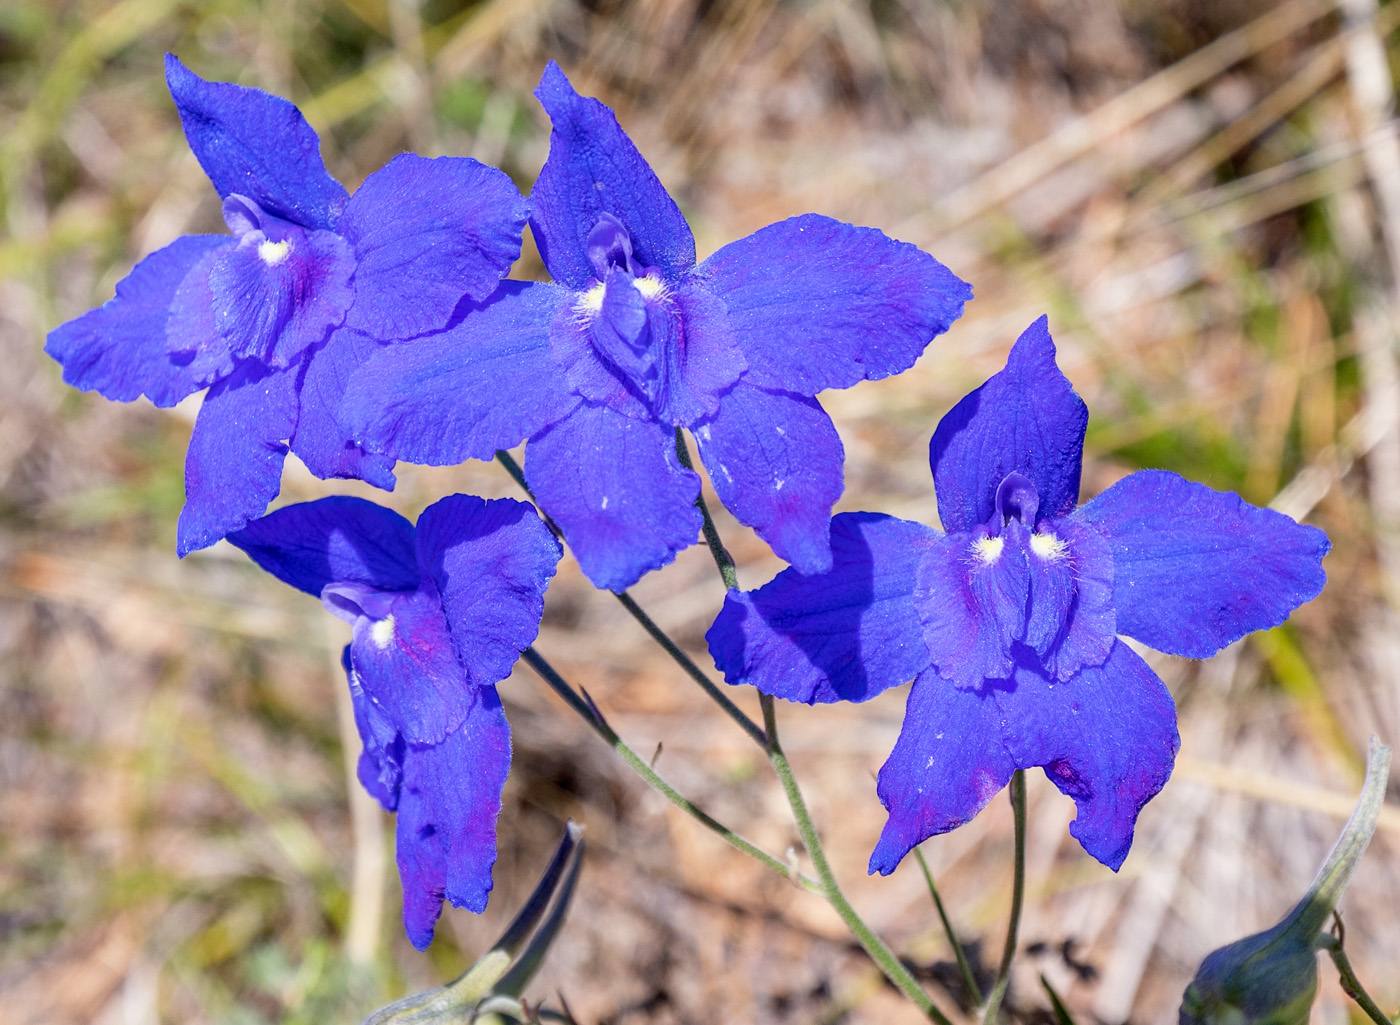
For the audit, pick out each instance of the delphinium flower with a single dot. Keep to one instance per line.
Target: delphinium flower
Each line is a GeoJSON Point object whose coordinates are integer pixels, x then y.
{"type": "Point", "coordinates": [634, 340]}
{"type": "Point", "coordinates": [273, 319]}
{"type": "Point", "coordinates": [440, 614]}
{"type": "Point", "coordinates": [1007, 623]}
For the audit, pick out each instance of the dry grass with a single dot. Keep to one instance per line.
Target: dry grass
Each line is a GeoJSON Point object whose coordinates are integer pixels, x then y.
{"type": "Point", "coordinates": [1198, 193]}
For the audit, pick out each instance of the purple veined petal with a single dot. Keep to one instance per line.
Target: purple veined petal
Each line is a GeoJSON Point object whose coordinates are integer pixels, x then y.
{"type": "Point", "coordinates": [426, 233]}
{"type": "Point", "coordinates": [948, 762]}
{"type": "Point", "coordinates": [273, 300]}
{"type": "Point", "coordinates": [1195, 569]}
{"type": "Point", "coordinates": [380, 766]}
{"type": "Point", "coordinates": [588, 338]}
{"type": "Point", "coordinates": [708, 358]}
{"type": "Point", "coordinates": [119, 349]}
{"type": "Point", "coordinates": [449, 804]}
{"type": "Point", "coordinates": [1070, 621]}
{"type": "Point", "coordinates": [618, 492]}
{"type": "Point", "coordinates": [1107, 738]}
{"type": "Point", "coordinates": [233, 467]}
{"type": "Point", "coordinates": [191, 332]}
{"type": "Point", "coordinates": [775, 462]}
{"type": "Point", "coordinates": [488, 382]}
{"type": "Point", "coordinates": [323, 440]}
{"type": "Point", "coordinates": [1026, 419]}
{"type": "Point", "coordinates": [339, 539]}
{"type": "Point", "coordinates": [405, 658]}
{"type": "Point", "coordinates": [971, 597]}
{"type": "Point", "coordinates": [491, 562]}
{"type": "Point", "coordinates": [257, 145]}
{"type": "Point", "coordinates": [816, 303]}
{"type": "Point", "coordinates": [593, 169]}
{"type": "Point", "coordinates": [844, 635]}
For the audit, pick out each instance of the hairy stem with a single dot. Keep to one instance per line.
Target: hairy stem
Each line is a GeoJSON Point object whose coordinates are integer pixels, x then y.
{"type": "Point", "coordinates": [1018, 893]}
{"type": "Point", "coordinates": [969, 980]}
{"type": "Point", "coordinates": [1351, 985]}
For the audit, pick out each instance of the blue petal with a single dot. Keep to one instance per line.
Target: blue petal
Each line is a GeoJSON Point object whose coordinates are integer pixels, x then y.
{"type": "Point", "coordinates": [971, 598]}
{"type": "Point", "coordinates": [616, 489]}
{"type": "Point", "coordinates": [273, 304]}
{"type": "Point", "coordinates": [1195, 569]}
{"type": "Point", "coordinates": [593, 168]}
{"type": "Point", "coordinates": [449, 804]}
{"type": "Point", "coordinates": [191, 333]}
{"type": "Point", "coordinates": [844, 635]}
{"type": "Point", "coordinates": [1026, 419]}
{"type": "Point", "coordinates": [234, 464]}
{"type": "Point", "coordinates": [948, 762]}
{"type": "Point", "coordinates": [323, 440]}
{"type": "Point", "coordinates": [380, 767]}
{"type": "Point", "coordinates": [426, 233]}
{"type": "Point", "coordinates": [257, 145]}
{"type": "Point", "coordinates": [816, 303]}
{"type": "Point", "coordinates": [775, 462]}
{"type": "Point", "coordinates": [119, 349]}
{"type": "Point", "coordinates": [1107, 738]}
{"type": "Point", "coordinates": [405, 658]}
{"type": "Point", "coordinates": [336, 539]}
{"type": "Point", "coordinates": [491, 562]}
{"type": "Point", "coordinates": [1069, 620]}
{"type": "Point", "coordinates": [486, 383]}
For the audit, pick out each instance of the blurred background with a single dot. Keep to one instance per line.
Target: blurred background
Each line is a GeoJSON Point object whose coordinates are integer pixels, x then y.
{"type": "Point", "coordinates": [1204, 195]}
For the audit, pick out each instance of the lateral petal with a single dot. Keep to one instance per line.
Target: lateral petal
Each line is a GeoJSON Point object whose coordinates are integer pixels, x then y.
{"type": "Point", "coordinates": [594, 168]}
{"type": "Point", "coordinates": [817, 303]}
{"type": "Point", "coordinates": [1026, 419]}
{"type": "Point", "coordinates": [775, 461]}
{"type": "Point", "coordinates": [844, 635]}
{"type": "Point", "coordinates": [618, 492]}
{"type": "Point", "coordinates": [488, 382]}
{"type": "Point", "coordinates": [119, 349]}
{"type": "Point", "coordinates": [1070, 621]}
{"type": "Point", "coordinates": [1107, 738]}
{"type": "Point", "coordinates": [322, 439]}
{"type": "Point", "coordinates": [1195, 569]}
{"type": "Point", "coordinates": [426, 233]}
{"type": "Point", "coordinates": [233, 467]}
{"type": "Point", "coordinates": [257, 145]}
{"type": "Point", "coordinates": [491, 562]}
{"type": "Point", "coordinates": [948, 762]}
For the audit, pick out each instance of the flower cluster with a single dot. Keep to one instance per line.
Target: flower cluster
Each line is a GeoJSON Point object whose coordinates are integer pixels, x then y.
{"type": "Point", "coordinates": [359, 330]}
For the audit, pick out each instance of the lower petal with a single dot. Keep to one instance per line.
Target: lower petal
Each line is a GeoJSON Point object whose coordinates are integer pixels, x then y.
{"type": "Point", "coordinates": [618, 492]}
{"type": "Point", "coordinates": [948, 762]}
{"type": "Point", "coordinates": [233, 468]}
{"type": "Point", "coordinates": [1107, 738]}
{"type": "Point", "coordinates": [448, 807]}
{"type": "Point", "coordinates": [322, 440]}
{"type": "Point", "coordinates": [775, 462]}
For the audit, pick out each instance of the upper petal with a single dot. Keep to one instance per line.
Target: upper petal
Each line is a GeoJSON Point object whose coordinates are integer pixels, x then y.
{"type": "Point", "coordinates": [426, 233]}
{"type": "Point", "coordinates": [257, 145]}
{"type": "Point", "coordinates": [323, 440]}
{"type": "Point", "coordinates": [1070, 621]}
{"type": "Point", "coordinates": [1026, 419]}
{"type": "Point", "coordinates": [844, 635]}
{"type": "Point", "coordinates": [233, 468]}
{"type": "Point", "coordinates": [312, 544]}
{"type": "Point", "coordinates": [594, 168]}
{"type": "Point", "coordinates": [1196, 569]}
{"type": "Point", "coordinates": [487, 382]}
{"type": "Point", "coordinates": [491, 562]}
{"type": "Point", "coordinates": [948, 762]}
{"type": "Point", "coordinates": [1107, 738]}
{"type": "Point", "coordinates": [119, 349]}
{"type": "Point", "coordinates": [775, 461]}
{"type": "Point", "coordinates": [816, 303]}
{"type": "Point", "coordinates": [618, 492]}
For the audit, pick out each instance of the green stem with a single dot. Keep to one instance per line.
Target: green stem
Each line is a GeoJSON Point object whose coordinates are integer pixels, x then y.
{"type": "Point", "coordinates": [723, 560]}
{"type": "Point", "coordinates": [1351, 985]}
{"type": "Point", "coordinates": [590, 715]}
{"type": "Point", "coordinates": [1018, 893]}
{"type": "Point", "coordinates": [893, 968]}
{"type": "Point", "coordinates": [969, 979]}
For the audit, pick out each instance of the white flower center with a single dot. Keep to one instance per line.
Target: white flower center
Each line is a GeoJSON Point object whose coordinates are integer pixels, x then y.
{"type": "Point", "coordinates": [1048, 546]}
{"type": "Point", "coordinates": [988, 549]}
{"type": "Point", "coordinates": [273, 253]}
{"type": "Point", "coordinates": [382, 632]}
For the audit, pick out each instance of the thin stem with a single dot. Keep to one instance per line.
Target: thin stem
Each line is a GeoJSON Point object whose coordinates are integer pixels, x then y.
{"type": "Point", "coordinates": [1351, 985]}
{"type": "Point", "coordinates": [723, 560]}
{"type": "Point", "coordinates": [888, 963]}
{"type": "Point", "coordinates": [1018, 893]}
{"type": "Point", "coordinates": [969, 979]}
{"type": "Point", "coordinates": [589, 714]}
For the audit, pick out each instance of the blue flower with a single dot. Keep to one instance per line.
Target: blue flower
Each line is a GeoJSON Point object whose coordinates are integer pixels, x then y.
{"type": "Point", "coordinates": [273, 319]}
{"type": "Point", "coordinates": [1007, 623]}
{"type": "Point", "coordinates": [440, 615]}
{"type": "Point", "coordinates": [635, 340]}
